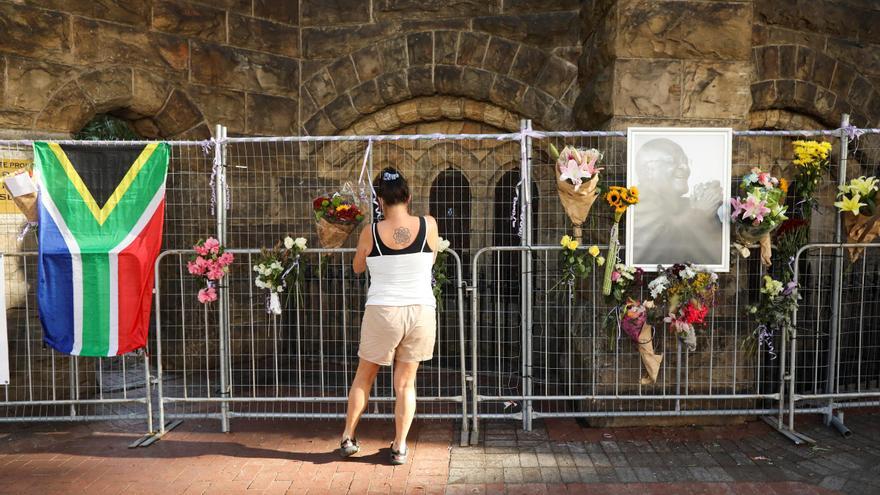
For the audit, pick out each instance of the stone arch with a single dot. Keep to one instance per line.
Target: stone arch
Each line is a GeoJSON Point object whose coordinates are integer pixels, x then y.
{"type": "Point", "coordinates": [806, 81]}
{"type": "Point", "coordinates": [156, 108]}
{"type": "Point", "coordinates": [517, 77]}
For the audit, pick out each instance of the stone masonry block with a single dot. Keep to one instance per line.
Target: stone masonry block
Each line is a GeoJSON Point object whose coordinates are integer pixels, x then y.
{"type": "Point", "coordinates": [189, 19]}
{"type": "Point", "coordinates": [277, 10]}
{"type": "Point", "coordinates": [320, 87]}
{"type": "Point", "coordinates": [343, 73]}
{"type": "Point", "coordinates": [334, 12]}
{"type": "Point", "coordinates": [261, 35]}
{"type": "Point", "coordinates": [271, 115]}
{"type": "Point", "coordinates": [367, 63]}
{"type": "Point", "coordinates": [499, 55]}
{"type": "Point", "coordinates": [104, 43]}
{"type": "Point", "coordinates": [239, 69]}
{"type": "Point", "coordinates": [716, 90]}
{"type": "Point", "coordinates": [472, 49]}
{"type": "Point", "coordinates": [34, 32]}
{"type": "Point", "coordinates": [31, 83]}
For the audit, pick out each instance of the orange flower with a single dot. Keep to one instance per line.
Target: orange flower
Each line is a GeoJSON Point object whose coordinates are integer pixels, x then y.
{"type": "Point", "coordinates": [783, 185]}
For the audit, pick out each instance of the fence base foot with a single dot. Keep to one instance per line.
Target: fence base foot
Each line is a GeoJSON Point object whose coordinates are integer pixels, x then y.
{"type": "Point", "coordinates": [797, 438]}
{"type": "Point", "coordinates": [151, 438]}
{"type": "Point", "coordinates": [464, 439]}
{"type": "Point", "coordinates": [837, 422]}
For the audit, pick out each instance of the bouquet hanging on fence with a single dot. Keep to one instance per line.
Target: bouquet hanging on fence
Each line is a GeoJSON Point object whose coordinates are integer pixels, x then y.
{"type": "Point", "coordinates": [210, 264]}
{"type": "Point", "coordinates": [577, 182]}
{"type": "Point", "coordinates": [634, 323]}
{"type": "Point", "coordinates": [811, 160]}
{"type": "Point", "coordinates": [861, 217]}
{"type": "Point", "coordinates": [689, 294]}
{"type": "Point", "coordinates": [577, 264]}
{"type": "Point", "coordinates": [24, 194]}
{"type": "Point", "coordinates": [336, 215]}
{"type": "Point", "coordinates": [280, 268]}
{"type": "Point", "coordinates": [619, 198]}
{"type": "Point", "coordinates": [439, 277]}
{"type": "Point", "coordinates": [625, 284]}
{"type": "Point", "coordinates": [758, 212]}
{"type": "Point", "coordinates": [773, 314]}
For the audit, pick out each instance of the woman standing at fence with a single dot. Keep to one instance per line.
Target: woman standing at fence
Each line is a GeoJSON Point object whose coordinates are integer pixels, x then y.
{"type": "Point", "coordinates": [399, 324]}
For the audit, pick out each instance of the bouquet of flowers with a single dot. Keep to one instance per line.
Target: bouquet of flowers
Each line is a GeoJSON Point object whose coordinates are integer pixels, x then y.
{"type": "Point", "coordinates": [619, 198]}
{"type": "Point", "coordinates": [859, 199]}
{"type": "Point", "coordinates": [811, 160]}
{"type": "Point", "coordinates": [577, 265]}
{"type": "Point", "coordinates": [210, 264]}
{"type": "Point", "coordinates": [577, 182]}
{"type": "Point", "coordinates": [439, 278]}
{"type": "Point", "coordinates": [773, 313]}
{"type": "Point", "coordinates": [689, 293]}
{"type": "Point", "coordinates": [337, 215]}
{"type": "Point", "coordinates": [625, 281]}
{"type": "Point", "coordinates": [759, 212]}
{"type": "Point", "coordinates": [277, 267]}
{"type": "Point", "coordinates": [634, 323]}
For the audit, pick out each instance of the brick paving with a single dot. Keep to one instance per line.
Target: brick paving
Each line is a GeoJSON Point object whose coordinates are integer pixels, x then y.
{"type": "Point", "coordinates": [559, 456]}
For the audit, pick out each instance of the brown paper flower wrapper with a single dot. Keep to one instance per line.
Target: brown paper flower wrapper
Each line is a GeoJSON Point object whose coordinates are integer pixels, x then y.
{"type": "Point", "coordinates": [763, 240]}
{"type": "Point", "coordinates": [860, 229]}
{"type": "Point", "coordinates": [333, 235]}
{"type": "Point", "coordinates": [27, 202]}
{"type": "Point", "coordinates": [650, 361]}
{"type": "Point", "coordinates": [577, 204]}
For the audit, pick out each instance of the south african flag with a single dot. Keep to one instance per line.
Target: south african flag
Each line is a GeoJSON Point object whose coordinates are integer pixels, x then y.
{"type": "Point", "coordinates": [101, 211]}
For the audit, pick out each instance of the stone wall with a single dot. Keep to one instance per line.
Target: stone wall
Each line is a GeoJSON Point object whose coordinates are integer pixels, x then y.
{"type": "Point", "coordinates": [270, 67]}
{"type": "Point", "coordinates": [743, 63]}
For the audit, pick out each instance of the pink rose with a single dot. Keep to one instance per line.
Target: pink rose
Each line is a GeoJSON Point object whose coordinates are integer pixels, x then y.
{"type": "Point", "coordinates": [615, 276]}
{"type": "Point", "coordinates": [207, 295]}
{"type": "Point", "coordinates": [225, 259]}
{"type": "Point", "coordinates": [212, 245]}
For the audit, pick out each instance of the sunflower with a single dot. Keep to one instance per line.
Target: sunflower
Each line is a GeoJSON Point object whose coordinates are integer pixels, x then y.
{"type": "Point", "coordinates": [613, 197]}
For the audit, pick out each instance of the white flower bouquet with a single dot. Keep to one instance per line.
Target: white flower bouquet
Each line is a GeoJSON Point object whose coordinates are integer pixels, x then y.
{"type": "Point", "coordinates": [279, 269]}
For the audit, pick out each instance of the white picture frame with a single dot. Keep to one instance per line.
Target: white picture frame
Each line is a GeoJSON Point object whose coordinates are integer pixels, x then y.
{"type": "Point", "coordinates": [684, 176]}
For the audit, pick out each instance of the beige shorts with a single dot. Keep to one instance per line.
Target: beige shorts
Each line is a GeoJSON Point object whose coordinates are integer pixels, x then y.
{"type": "Point", "coordinates": [398, 333]}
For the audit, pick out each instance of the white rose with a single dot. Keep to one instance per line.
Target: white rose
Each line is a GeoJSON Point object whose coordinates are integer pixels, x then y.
{"type": "Point", "coordinates": [260, 284]}
{"type": "Point", "coordinates": [288, 242]}
{"type": "Point", "coordinates": [279, 288]}
{"type": "Point", "coordinates": [257, 268]}
{"type": "Point", "coordinates": [300, 242]}
{"type": "Point", "coordinates": [443, 245]}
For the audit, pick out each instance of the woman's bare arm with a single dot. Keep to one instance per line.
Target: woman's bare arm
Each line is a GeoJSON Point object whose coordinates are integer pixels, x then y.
{"type": "Point", "coordinates": [364, 246]}
{"type": "Point", "coordinates": [433, 234]}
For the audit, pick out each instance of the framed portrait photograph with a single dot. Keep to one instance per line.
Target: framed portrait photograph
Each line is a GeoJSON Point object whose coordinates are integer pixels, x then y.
{"type": "Point", "coordinates": [683, 177]}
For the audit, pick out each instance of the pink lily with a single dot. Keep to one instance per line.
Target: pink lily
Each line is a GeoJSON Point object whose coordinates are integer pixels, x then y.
{"type": "Point", "coordinates": [571, 171]}
{"type": "Point", "coordinates": [755, 208]}
{"type": "Point", "coordinates": [738, 207]}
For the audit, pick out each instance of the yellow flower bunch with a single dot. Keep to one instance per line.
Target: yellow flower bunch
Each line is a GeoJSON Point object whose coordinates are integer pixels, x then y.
{"type": "Point", "coordinates": [569, 243]}
{"type": "Point", "coordinates": [620, 197]}
{"type": "Point", "coordinates": [810, 153]}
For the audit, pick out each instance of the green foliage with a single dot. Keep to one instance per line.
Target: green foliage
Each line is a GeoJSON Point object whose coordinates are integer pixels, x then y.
{"type": "Point", "coordinates": [104, 127]}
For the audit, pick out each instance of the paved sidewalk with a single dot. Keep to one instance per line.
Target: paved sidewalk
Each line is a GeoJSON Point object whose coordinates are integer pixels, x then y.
{"type": "Point", "coordinates": [263, 457]}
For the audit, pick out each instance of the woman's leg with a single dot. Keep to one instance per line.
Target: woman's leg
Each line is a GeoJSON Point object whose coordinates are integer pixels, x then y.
{"type": "Point", "coordinates": [358, 395]}
{"type": "Point", "coordinates": [405, 401]}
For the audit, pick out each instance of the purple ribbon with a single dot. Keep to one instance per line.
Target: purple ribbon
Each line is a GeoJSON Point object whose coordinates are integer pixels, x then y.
{"type": "Point", "coordinates": [765, 337]}
{"type": "Point", "coordinates": [852, 132]}
{"type": "Point", "coordinates": [27, 227]}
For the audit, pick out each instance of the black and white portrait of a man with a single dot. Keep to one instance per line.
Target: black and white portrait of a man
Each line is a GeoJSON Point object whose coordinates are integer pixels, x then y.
{"type": "Point", "coordinates": [683, 176]}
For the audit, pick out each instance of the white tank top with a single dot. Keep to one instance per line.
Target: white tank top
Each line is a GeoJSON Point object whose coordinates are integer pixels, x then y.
{"type": "Point", "coordinates": [401, 277]}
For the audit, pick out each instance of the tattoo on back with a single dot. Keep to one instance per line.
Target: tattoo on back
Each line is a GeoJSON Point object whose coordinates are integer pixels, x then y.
{"type": "Point", "coordinates": [402, 235]}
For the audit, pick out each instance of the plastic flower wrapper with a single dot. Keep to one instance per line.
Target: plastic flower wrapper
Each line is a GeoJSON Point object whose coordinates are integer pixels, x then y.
{"type": "Point", "coordinates": [758, 211]}
{"type": "Point", "coordinates": [861, 217]}
{"type": "Point", "coordinates": [634, 323]}
{"type": "Point", "coordinates": [618, 198]}
{"type": "Point", "coordinates": [625, 284]}
{"type": "Point", "coordinates": [577, 182]}
{"type": "Point", "coordinates": [278, 269]}
{"type": "Point", "coordinates": [337, 215]}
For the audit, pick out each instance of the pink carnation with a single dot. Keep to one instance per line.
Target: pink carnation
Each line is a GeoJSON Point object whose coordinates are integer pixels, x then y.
{"type": "Point", "coordinates": [207, 295]}
{"type": "Point", "coordinates": [201, 250]}
{"type": "Point", "coordinates": [194, 268]}
{"type": "Point", "coordinates": [212, 245]}
{"type": "Point", "coordinates": [215, 272]}
{"type": "Point", "coordinates": [225, 259]}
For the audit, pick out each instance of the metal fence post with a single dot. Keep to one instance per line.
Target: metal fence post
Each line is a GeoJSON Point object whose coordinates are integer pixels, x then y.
{"type": "Point", "coordinates": [837, 281]}
{"type": "Point", "coordinates": [222, 306]}
{"type": "Point", "coordinates": [526, 263]}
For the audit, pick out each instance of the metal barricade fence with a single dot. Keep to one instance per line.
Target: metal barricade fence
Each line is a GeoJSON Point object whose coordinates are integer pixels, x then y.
{"type": "Point", "coordinates": [573, 367]}
{"type": "Point", "coordinates": [295, 365]}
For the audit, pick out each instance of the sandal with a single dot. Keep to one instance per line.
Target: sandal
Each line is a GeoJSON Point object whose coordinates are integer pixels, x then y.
{"type": "Point", "coordinates": [349, 447]}
{"type": "Point", "coordinates": [398, 458]}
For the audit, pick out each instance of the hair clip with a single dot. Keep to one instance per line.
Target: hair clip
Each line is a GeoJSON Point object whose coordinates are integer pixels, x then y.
{"type": "Point", "coordinates": [388, 176]}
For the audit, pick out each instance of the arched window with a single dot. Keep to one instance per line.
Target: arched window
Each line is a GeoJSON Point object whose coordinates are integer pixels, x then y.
{"type": "Point", "coordinates": [505, 232]}
{"type": "Point", "coordinates": [450, 204]}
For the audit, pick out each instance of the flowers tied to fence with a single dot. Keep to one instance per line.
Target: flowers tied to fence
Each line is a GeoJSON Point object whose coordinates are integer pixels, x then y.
{"type": "Point", "coordinates": [280, 268]}
{"type": "Point", "coordinates": [758, 212]}
{"type": "Point", "coordinates": [577, 264]}
{"type": "Point", "coordinates": [634, 322]}
{"type": "Point", "coordinates": [210, 264]}
{"type": "Point", "coordinates": [439, 277]}
{"type": "Point", "coordinates": [861, 217]}
{"type": "Point", "coordinates": [688, 293]}
{"type": "Point", "coordinates": [336, 215]}
{"type": "Point", "coordinates": [773, 314]}
{"type": "Point", "coordinates": [619, 198]}
{"type": "Point", "coordinates": [811, 160]}
{"type": "Point", "coordinates": [577, 182]}
{"type": "Point", "coordinates": [625, 283]}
